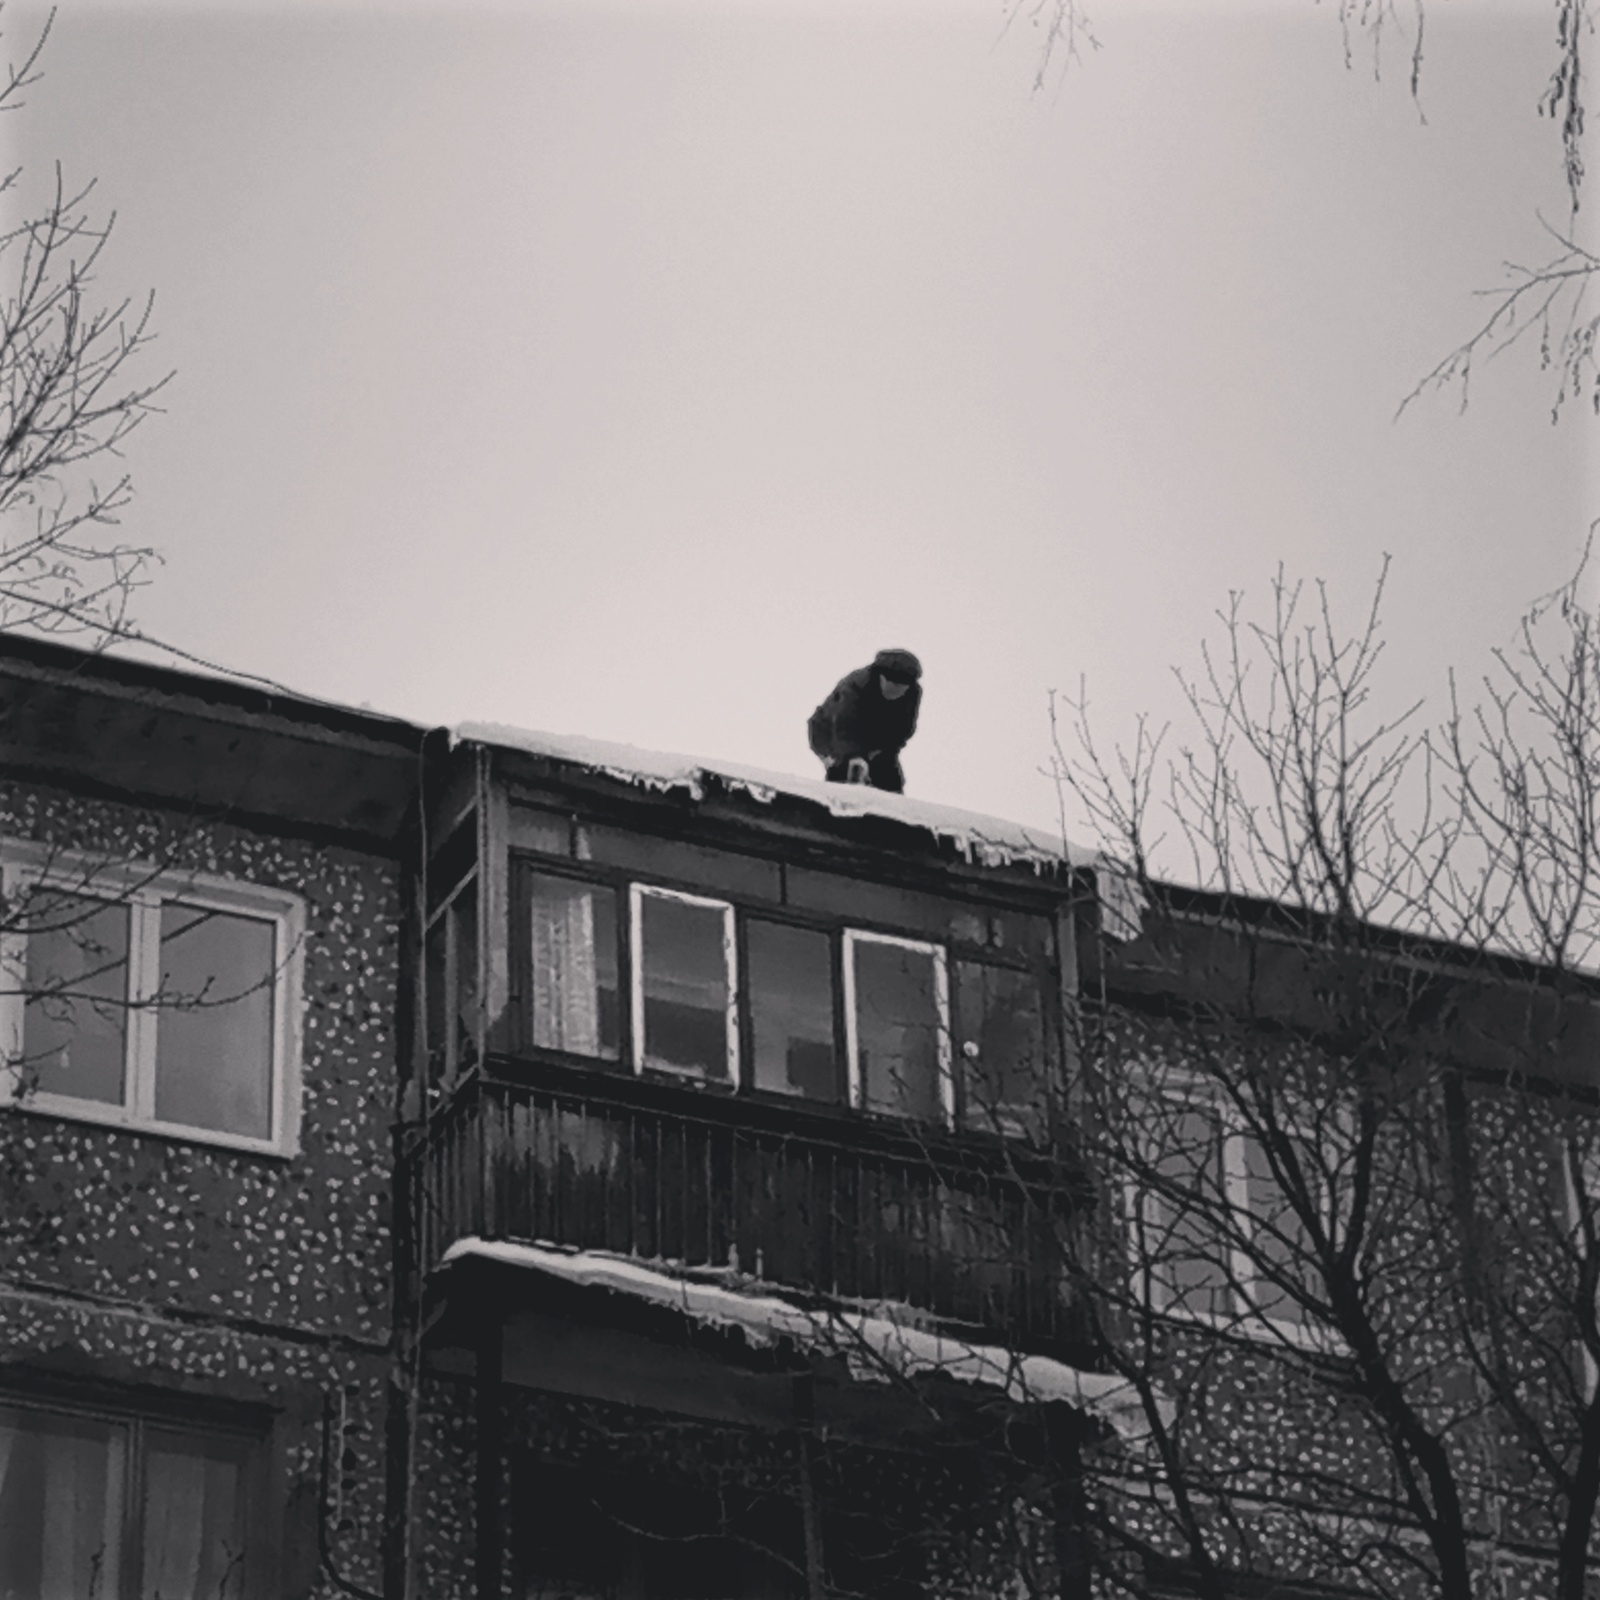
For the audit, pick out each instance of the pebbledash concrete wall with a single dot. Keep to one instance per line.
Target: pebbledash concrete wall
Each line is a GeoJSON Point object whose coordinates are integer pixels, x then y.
{"type": "Point", "coordinates": [131, 1259]}
{"type": "Point", "coordinates": [1280, 1430]}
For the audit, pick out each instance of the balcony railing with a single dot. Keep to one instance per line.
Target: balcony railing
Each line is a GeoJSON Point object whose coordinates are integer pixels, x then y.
{"type": "Point", "coordinates": [844, 1207]}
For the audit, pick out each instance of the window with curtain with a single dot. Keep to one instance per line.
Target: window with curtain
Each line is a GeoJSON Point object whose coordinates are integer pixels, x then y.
{"type": "Point", "coordinates": [119, 1508]}
{"type": "Point", "coordinates": [571, 953]}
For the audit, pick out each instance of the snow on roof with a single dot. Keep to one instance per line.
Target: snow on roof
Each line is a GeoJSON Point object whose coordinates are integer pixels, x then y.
{"type": "Point", "coordinates": [985, 841]}
{"type": "Point", "coordinates": [989, 841]}
{"type": "Point", "coordinates": [876, 1347]}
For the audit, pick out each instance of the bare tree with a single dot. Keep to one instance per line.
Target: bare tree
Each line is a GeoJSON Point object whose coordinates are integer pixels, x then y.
{"type": "Point", "coordinates": [70, 395]}
{"type": "Point", "coordinates": [1348, 1159]}
{"type": "Point", "coordinates": [1545, 303]}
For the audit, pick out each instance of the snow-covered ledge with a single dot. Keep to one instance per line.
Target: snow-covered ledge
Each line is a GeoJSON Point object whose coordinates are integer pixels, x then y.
{"type": "Point", "coordinates": [985, 841]}
{"type": "Point", "coordinates": [874, 1345]}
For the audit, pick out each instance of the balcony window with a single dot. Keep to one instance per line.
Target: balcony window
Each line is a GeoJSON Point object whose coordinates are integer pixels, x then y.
{"type": "Point", "coordinates": [454, 1012]}
{"type": "Point", "coordinates": [661, 978]}
{"type": "Point", "coordinates": [169, 1004]}
{"type": "Point", "coordinates": [119, 1508]}
{"type": "Point", "coordinates": [684, 1018]}
{"type": "Point", "coordinates": [791, 1005]}
{"type": "Point", "coordinates": [897, 1010]}
{"type": "Point", "coordinates": [574, 999]}
{"type": "Point", "coordinates": [1002, 1058]}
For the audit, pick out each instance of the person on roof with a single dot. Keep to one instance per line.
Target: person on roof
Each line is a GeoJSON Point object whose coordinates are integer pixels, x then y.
{"type": "Point", "coordinates": [859, 731]}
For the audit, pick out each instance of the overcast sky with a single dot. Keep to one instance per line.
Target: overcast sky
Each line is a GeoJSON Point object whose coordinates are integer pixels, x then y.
{"type": "Point", "coordinates": [637, 370]}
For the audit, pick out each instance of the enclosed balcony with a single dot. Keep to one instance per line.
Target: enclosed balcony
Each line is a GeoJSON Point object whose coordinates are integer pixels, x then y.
{"type": "Point", "coordinates": [689, 1037]}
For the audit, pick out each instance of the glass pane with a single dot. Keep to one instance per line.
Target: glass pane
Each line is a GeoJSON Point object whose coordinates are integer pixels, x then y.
{"type": "Point", "coordinates": [898, 1029]}
{"type": "Point", "coordinates": [791, 1004]}
{"type": "Point", "coordinates": [193, 1518]}
{"type": "Point", "coordinates": [61, 1506]}
{"type": "Point", "coordinates": [530, 828]}
{"type": "Point", "coordinates": [214, 1020]}
{"type": "Point", "coordinates": [572, 979]}
{"type": "Point", "coordinates": [1187, 1261]}
{"type": "Point", "coordinates": [1002, 1049]}
{"type": "Point", "coordinates": [75, 1017]}
{"type": "Point", "coordinates": [684, 960]}
{"type": "Point", "coordinates": [1280, 1242]}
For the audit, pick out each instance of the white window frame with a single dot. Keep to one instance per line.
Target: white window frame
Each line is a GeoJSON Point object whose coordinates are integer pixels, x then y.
{"type": "Point", "coordinates": [1184, 1092]}
{"type": "Point", "coordinates": [636, 898]}
{"type": "Point", "coordinates": [143, 890]}
{"type": "Point", "coordinates": [854, 937]}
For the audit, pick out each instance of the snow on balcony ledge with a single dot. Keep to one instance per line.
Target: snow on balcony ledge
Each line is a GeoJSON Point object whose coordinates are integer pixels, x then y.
{"type": "Point", "coordinates": [874, 1346]}
{"type": "Point", "coordinates": [984, 841]}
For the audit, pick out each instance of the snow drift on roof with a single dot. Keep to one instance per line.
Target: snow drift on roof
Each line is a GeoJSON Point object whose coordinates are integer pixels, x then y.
{"type": "Point", "coordinates": [874, 1346]}
{"type": "Point", "coordinates": [985, 841]}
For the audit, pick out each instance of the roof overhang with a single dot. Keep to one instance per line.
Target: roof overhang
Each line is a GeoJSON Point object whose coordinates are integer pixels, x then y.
{"type": "Point", "coordinates": [102, 724]}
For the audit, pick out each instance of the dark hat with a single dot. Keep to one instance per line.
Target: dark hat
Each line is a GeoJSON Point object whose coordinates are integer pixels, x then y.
{"type": "Point", "coordinates": [900, 664]}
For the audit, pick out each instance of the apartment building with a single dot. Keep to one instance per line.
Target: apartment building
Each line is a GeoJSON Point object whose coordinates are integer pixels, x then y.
{"type": "Point", "coordinates": [478, 1164]}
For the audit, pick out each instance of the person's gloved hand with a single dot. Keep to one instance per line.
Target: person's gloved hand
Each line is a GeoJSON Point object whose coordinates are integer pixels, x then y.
{"type": "Point", "coordinates": [857, 771]}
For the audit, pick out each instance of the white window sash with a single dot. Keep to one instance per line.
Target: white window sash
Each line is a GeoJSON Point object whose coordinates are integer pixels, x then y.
{"type": "Point", "coordinates": [637, 894]}
{"type": "Point", "coordinates": [855, 937]}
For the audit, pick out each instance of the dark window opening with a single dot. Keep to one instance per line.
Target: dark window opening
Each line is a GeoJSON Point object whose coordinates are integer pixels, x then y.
{"type": "Point", "coordinates": [792, 1010]}
{"type": "Point", "coordinates": [1001, 1050]}
{"type": "Point", "coordinates": [455, 857]}
{"type": "Point", "coordinates": [581, 1535]}
{"type": "Point", "coordinates": [901, 1027]}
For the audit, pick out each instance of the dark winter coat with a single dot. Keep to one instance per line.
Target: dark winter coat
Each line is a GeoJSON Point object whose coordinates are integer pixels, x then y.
{"type": "Point", "coordinates": [855, 719]}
